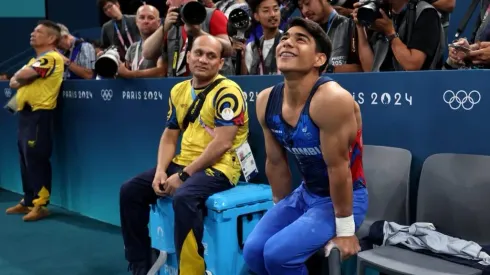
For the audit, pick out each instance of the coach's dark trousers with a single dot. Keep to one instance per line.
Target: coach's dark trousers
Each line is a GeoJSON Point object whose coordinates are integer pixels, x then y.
{"type": "Point", "coordinates": [189, 199]}
{"type": "Point", "coordinates": [35, 142]}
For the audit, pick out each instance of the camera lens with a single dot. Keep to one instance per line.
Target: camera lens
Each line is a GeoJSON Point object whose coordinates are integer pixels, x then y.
{"type": "Point", "coordinates": [193, 13]}
{"type": "Point", "coordinates": [368, 13]}
{"type": "Point", "coordinates": [107, 64]}
{"type": "Point", "coordinates": [238, 23]}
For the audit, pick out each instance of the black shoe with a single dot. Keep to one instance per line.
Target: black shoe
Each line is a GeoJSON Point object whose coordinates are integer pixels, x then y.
{"type": "Point", "coordinates": [139, 268]}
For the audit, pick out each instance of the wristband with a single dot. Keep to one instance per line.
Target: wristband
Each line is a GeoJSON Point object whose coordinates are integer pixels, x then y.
{"type": "Point", "coordinates": [345, 227]}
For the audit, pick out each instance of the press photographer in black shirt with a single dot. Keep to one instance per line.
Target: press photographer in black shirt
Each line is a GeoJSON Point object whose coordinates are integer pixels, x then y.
{"type": "Point", "coordinates": [391, 48]}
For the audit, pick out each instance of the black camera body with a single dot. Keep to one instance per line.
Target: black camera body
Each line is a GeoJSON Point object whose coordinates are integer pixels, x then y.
{"type": "Point", "coordinates": [369, 11]}
{"type": "Point", "coordinates": [192, 13]}
{"type": "Point", "coordinates": [239, 23]}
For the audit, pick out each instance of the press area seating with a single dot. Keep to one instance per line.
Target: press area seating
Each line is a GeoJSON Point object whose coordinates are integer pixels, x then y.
{"type": "Point", "coordinates": [453, 195]}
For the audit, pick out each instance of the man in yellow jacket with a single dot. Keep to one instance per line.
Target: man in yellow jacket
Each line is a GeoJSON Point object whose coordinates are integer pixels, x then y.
{"type": "Point", "coordinates": [38, 84]}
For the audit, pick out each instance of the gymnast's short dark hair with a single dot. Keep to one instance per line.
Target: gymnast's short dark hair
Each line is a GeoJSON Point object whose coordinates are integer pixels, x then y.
{"type": "Point", "coordinates": [322, 41]}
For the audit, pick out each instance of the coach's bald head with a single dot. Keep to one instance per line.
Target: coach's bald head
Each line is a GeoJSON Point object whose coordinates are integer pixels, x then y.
{"type": "Point", "coordinates": [205, 58]}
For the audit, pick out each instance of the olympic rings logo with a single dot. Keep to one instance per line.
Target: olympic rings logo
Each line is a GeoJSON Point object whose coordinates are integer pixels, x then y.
{"type": "Point", "coordinates": [461, 99]}
{"type": "Point", "coordinates": [106, 94]}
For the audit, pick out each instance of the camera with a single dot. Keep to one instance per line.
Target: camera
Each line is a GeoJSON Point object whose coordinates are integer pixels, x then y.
{"type": "Point", "coordinates": [239, 23]}
{"type": "Point", "coordinates": [107, 64]}
{"type": "Point", "coordinates": [369, 11]}
{"type": "Point", "coordinates": [192, 13]}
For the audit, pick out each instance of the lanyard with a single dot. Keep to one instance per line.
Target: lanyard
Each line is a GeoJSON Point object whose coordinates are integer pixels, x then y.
{"type": "Point", "coordinates": [73, 53]}
{"type": "Point", "coordinates": [74, 50]}
{"type": "Point", "coordinates": [119, 35]}
{"type": "Point", "coordinates": [330, 20]}
{"type": "Point", "coordinates": [207, 128]}
{"type": "Point", "coordinates": [261, 56]}
{"type": "Point", "coordinates": [180, 56]}
{"type": "Point", "coordinates": [138, 60]}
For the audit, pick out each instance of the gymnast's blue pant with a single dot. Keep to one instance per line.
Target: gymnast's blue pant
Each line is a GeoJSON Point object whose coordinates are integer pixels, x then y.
{"type": "Point", "coordinates": [293, 230]}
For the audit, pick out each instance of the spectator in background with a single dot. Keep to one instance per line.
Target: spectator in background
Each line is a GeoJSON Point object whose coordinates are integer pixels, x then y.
{"type": "Point", "coordinates": [288, 9]}
{"type": "Point", "coordinates": [345, 7]}
{"type": "Point", "coordinates": [121, 31]}
{"type": "Point", "coordinates": [215, 25]}
{"type": "Point", "coordinates": [260, 55]}
{"type": "Point", "coordinates": [390, 48]}
{"type": "Point", "coordinates": [481, 56]}
{"type": "Point", "coordinates": [483, 22]}
{"type": "Point", "coordinates": [445, 8]}
{"type": "Point", "coordinates": [97, 46]}
{"type": "Point", "coordinates": [38, 85]}
{"type": "Point", "coordinates": [473, 55]}
{"type": "Point", "coordinates": [341, 31]}
{"type": "Point", "coordinates": [79, 56]}
{"type": "Point", "coordinates": [4, 76]}
{"type": "Point", "coordinates": [136, 66]}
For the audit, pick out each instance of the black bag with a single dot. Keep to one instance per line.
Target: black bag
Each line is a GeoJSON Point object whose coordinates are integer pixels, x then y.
{"type": "Point", "coordinates": [196, 106]}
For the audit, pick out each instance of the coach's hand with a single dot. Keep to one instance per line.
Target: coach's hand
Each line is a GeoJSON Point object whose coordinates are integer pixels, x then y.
{"type": "Point", "coordinates": [348, 246]}
{"type": "Point", "coordinates": [158, 181]}
{"type": "Point", "coordinates": [172, 183]}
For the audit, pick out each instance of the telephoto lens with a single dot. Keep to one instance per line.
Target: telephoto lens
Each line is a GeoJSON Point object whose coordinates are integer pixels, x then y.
{"type": "Point", "coordinates": [239, 22]}
{"type": "Point", "coordinates": [192, 13]}
{"type": "Point", "coordinates": [107, 64]}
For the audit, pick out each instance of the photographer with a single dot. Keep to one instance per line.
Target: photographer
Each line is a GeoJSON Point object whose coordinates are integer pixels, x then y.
{"type": "Point", "coordinates": [259, 56]}
{"type": "Point", "coordinates": [393, 48]}
{"type": "Point", "coordinates": [121, 31]}
{"type": "Point", "coordinates": [445, 8]}
{"type": "Point", "coordinates": [345, 7]}
{"type": "Point", "coordinates": [215, 24]}
{"type": "Point", "coordinates": [79, 55]}
{"type": "Point", "coordinates": [136, 66]}
{"type": "Point", "coordinates": [341, 31]}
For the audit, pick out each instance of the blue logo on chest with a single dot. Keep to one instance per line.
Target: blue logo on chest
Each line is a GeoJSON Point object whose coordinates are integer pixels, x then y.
{"type": "Point", "coordinates": [302, 140]}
